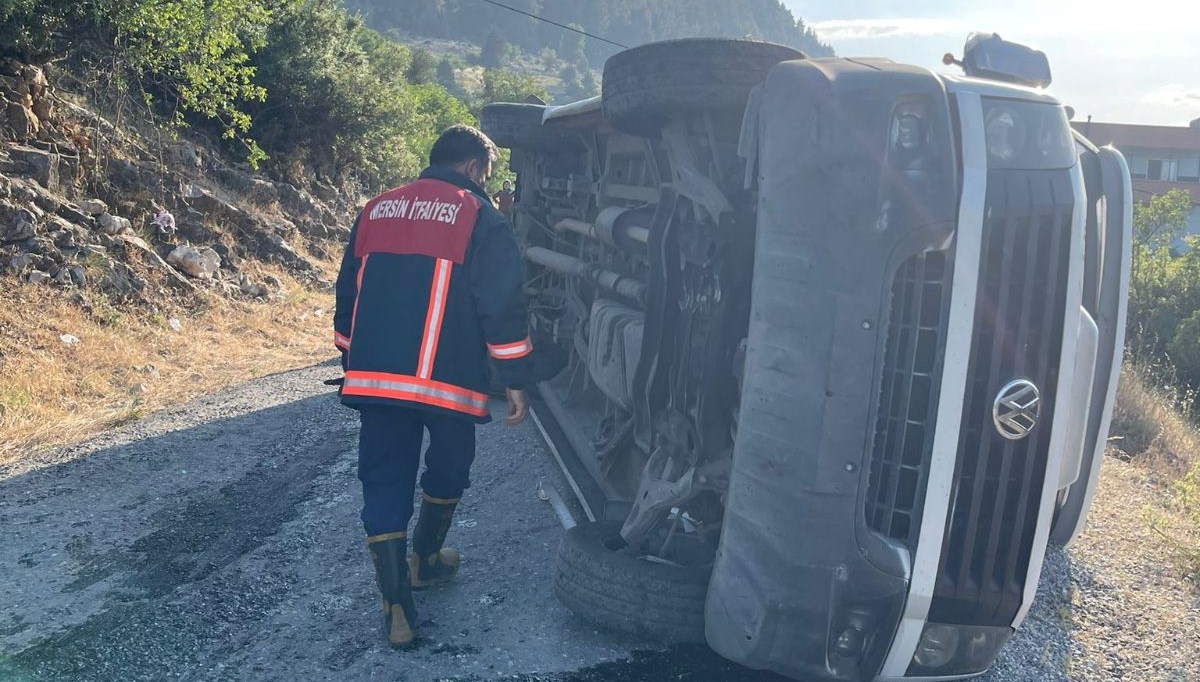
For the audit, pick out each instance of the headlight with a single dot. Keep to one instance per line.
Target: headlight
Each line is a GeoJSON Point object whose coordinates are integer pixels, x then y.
{"type": "Point", "coordinates": [939, 644]}
{"type": "Point", "coordinates": [957, 649]}
{"type": "Point", "coordinates": [1005, 133]}
{"type": "Point", "coordinates": [1027, 135]}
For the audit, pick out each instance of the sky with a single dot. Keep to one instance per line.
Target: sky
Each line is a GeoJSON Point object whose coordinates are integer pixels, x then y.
{"type": "Point", "coordinates": [1126, 62]}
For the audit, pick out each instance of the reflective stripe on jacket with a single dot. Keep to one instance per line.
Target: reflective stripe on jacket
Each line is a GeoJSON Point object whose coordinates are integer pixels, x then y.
{"type": "Point", "coordinates": [429, 289]}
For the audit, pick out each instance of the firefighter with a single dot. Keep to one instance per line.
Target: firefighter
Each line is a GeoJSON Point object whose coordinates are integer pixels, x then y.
{"type": "Point", "coordinates": [429, 290]}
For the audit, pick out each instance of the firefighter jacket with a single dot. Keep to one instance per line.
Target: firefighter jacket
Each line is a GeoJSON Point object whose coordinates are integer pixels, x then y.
{"type": "Point", "coordinates": [429, 289]}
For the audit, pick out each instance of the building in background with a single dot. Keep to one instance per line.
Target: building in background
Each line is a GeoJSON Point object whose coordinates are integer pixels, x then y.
{"type": "Point", "coordinates": [1161, 158]}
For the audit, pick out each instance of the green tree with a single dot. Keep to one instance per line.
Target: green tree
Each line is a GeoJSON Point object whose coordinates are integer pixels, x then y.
{"type": "Point", "coordinates": [422, 67]}
{"type": "Point", "coordinates": [502, 86]}
{"type": "Point", "coordinates": [571, 47]}
{"type": "Point", "coordinates": [1154, 284]}
{"type": "Point", "coordinates": [588, 85]}
{"type": "Point", "coordinates": [1158, 222]}
{"type": "Point", "coordinates": [194, 55]}
{"type": "Point", "coordinates": [1164, 286]}
{"type": "Point", "coordinates": [569, 75]}
{"type": "Point", "coordinates": [495, 50]}
{"type": "Point", "coordinates": [339, 101]}
{"type": "Point", "coordinates": [548, 59]}
{"type": "Point", "coordinates": [446, 76]}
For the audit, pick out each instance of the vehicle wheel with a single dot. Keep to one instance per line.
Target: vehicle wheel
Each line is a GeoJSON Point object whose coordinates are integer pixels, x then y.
{"type": "Point", "coordinates": [622, 592]}
{"type": "Point", "coordinates": [519, 126]}
{"type": "Point", "coordinates": [644, 85]}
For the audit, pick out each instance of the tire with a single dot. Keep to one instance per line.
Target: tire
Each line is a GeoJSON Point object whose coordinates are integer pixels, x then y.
{"type": "Point", "coordinates": [623, 593]}
{"type": "Point", "coordinates": [645, 85]}
{"type": "Point", "coordinates": [519, 126]}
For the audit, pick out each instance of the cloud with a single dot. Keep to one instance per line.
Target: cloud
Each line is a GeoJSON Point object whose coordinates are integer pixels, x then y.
{"type": "Point", "coordinates": [1173, 95]}
{"type": "Point", "coordinates": [866, 29]}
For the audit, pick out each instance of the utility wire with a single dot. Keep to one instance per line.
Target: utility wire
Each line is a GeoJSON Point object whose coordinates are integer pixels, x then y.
{"type": "Point", "coordinates": [555, 23]}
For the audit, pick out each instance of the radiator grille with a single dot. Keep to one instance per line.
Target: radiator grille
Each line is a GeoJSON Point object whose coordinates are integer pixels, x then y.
{"type": "Point", "coordinates": [903, 442]}
{"type": "Point", "coordinates": [1018, 332]}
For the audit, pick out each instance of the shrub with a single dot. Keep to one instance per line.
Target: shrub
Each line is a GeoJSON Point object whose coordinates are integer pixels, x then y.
{"type": "Point", "coordinates": [195, 54]}
{"type": "Point", "coordinates": [339, 100]}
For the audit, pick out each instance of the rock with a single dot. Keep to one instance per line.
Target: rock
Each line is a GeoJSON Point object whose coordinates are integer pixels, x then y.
{"type": "Point", "coordinates": [175, 325]}
{"type": "Point", "coordinates": [189, 156]}
{"type": "Point", "coordinates": [210, 205]}
{"type": "Point", "coordinates": [69, 339]}
{"type": "Point", "coordinates": [116, 278]}
{"type": "Point", "coordinates": [74, 215]}
{"type": "Point", "coordinates": [326, 193]}
{"type": "Point", "coordinates": [42, 246]}
{"type": "Point", "coordinates": [284, 227]}
{"type": "Point", "coordinates": [43, 165]}
{"type": "Point", "coordinates": [125, 175]}
{"type": "Point", "coordinates": [23, 122]}
{"type": "Point", "coordinates": [39, 277]}
{"type": "Point", "coordinates": [273, 282]}
{"type": "Point", "coordinates": [16, 223]}
{"type": "Point", "coordinates": [77, 274]}
{"type": "Point", "coordinates": [43, 109]}
{"type": "Point", "coordinates": [273, 246]}
{"type": "Point", "coordinates": [63, 277]}
{"type": "Point", "coordinates": [262, 192]}
{"type": "Point", "coordinates": [35, 80]}
{"type": "Point", "coordinates": [140, 244]}
{"type": "Point", "coordinates": [229, 259]}
{"type": "Point", "coordinates": [38, 198]}
{"type": "Point", "coordinates": [201, 264]}
{"type": "Point", "coordinates": [92, 207]}
{"type": "Point", "coordinates": [90, 117]}
{"type": "Point", "coordinates": [21, 262]}
{"type": "Point", "coordinates": [251, 289]}
{"type": "Point", "coordinates": [64, 240]}
{"type": "Point", "coordinates": [113, 225]}
{"type": "Point", "coordinates": [296, 200]}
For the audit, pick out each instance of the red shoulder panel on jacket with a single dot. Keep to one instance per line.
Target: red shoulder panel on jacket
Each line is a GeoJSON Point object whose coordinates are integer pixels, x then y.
{"type": "Point", "coordinates": [426, 218]}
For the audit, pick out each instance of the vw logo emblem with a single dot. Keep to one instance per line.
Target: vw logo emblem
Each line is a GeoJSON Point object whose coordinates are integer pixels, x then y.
{"type": "Point", "coordinates": [1016, 409]}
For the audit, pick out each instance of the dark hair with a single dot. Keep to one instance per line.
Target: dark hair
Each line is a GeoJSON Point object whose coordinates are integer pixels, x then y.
{"type": "Point", "coordinates": [459, 144]}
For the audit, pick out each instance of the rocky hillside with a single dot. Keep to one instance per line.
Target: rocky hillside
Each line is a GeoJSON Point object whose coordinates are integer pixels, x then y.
{"type": "Point", "coordinates": [85, 204]}
{"type": "Point", "coordinates": [142, 266]}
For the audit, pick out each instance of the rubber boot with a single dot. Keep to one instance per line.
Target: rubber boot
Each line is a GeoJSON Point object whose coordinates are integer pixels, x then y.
{"type": "Point", "coordinates": [431, 563]}
{"type": "Point", "coordinates": [391, 574]}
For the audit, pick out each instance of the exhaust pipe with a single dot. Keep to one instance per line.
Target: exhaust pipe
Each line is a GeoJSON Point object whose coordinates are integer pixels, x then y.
{"type": "Point", "coordinates": [615, 225]}
{"type": "Point", "coordinates": [569, 265]}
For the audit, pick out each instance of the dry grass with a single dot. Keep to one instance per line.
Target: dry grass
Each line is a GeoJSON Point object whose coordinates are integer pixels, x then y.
{"type": "Point", "coordinates": [1153, 428]}
{"type": "Point", "coordinates": [129, 362]}
{"type": "Point", "coordinates": [1151, 421]}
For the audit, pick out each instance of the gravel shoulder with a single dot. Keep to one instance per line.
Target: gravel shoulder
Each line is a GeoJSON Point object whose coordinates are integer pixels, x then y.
{"type": "Point", "coordinates": [220, 541]}
{"type": "Point", "coordinates": [1132, 614]}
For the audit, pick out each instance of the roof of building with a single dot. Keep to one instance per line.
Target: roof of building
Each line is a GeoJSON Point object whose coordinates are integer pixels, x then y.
{"type": "Point", "coordinates": [1180, 138]}
{"type": "Point", "coordinates": [1144, 189]}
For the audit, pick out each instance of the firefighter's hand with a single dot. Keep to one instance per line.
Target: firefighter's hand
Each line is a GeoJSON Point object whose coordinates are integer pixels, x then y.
{"type": "Point", "coordinates": [518, 406]}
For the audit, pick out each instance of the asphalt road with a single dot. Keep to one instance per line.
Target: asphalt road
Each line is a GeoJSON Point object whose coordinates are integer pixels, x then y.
{"type": "Point", "coordinates": [221, 541]}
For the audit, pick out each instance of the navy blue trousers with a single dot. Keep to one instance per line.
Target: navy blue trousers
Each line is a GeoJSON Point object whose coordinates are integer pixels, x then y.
{"type": "Point", "coordinates": [389, 454]}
